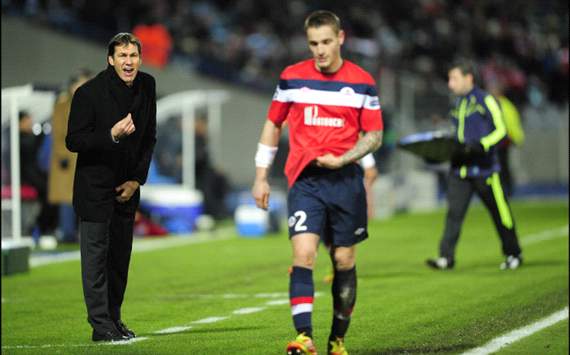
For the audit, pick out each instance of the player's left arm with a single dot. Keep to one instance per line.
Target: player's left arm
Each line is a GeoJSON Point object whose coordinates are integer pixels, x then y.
{"type": "Point", "coordinates": [368, 143]}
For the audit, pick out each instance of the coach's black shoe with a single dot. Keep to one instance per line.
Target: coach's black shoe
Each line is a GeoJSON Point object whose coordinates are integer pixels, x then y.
{"type": "Point", "coordinates": [112, 335]}
{"type": "Point", "coordinates": [441, 263]}
{"type": "Point", "coordinates": [512, 262]}
{"type": "Point", "coordinates": [124, 330]}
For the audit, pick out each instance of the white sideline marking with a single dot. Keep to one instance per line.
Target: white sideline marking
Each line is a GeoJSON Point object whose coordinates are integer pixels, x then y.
{"type": "Point", "coordinates": [39, 260]}
{"type": "Point", "coordinates": [173, 330]}
{"type": "Point", "coordinates": [209, 320]}
{"type": "Point", "coordinates": [239, 311]}
{"type": "Point", "coordinates": [279, 302]}
{"type": "Point", "coordinates": [45, 346]}
{"type": "Point", "coordinates": [517, 334]}
{"type": "Point", "coordinates": [545, 235]}
{"type": "Point", "coordinates": [125, 342]}
{"type": "Point", "coordinates": [273, 295]}
{"type": "Point", "coordinates": [140, 246]}
{"type": "Point", "coordinates": [248, 310]}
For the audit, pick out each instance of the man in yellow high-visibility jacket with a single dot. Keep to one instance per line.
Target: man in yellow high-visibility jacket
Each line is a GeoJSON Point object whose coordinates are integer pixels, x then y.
{"type": "Point", "coordinates": [515, 136]}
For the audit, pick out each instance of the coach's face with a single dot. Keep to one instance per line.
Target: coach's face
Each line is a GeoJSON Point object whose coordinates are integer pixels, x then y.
{"type": "Point", "coordinates": [325, 45]}
{"type": "Point", "coordinates": [126, 60]}
{"type": "Point", "coordinates": [459, 84]}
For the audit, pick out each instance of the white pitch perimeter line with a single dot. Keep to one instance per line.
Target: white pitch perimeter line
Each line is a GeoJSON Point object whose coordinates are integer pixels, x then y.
{"type": "Point", "coordinates": [47, 346]}
{"type": "Point", "coordinates": [139, 246]}
{"type": "Point", "coordinates": [240, 311]}
{"type": "Point", "coordinates": [210, 320]}
{"type": "Point", "coordinates": [545, 235]}
{"type": "Point", "coordinates": [172, 330]}
{"type": "Point", "coordinates": [516, 335]}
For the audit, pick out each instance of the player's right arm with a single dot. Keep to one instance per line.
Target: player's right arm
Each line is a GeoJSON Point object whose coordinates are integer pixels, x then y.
{"type": "Point", "coordinates": [266, 150]}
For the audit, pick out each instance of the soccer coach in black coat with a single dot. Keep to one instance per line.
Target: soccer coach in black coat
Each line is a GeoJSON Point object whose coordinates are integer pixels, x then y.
{"type": "Point", "coordinates": [112, 127]}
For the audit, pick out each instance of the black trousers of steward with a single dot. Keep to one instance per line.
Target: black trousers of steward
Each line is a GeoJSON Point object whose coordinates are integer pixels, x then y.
{"type": "Point", "coordinates": [489, 189]}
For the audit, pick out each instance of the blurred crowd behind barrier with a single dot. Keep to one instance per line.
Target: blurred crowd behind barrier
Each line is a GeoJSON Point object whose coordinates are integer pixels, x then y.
{"type": "Point", "coordinates": [523, 44]}
{"type": "Point", "coordinates": [405, 45]}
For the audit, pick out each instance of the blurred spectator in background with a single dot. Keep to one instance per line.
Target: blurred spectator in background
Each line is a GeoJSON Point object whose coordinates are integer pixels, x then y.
{"type": "Point", "coordinates": [31, 174]}
{"type": "Point", "coordinates": [62, 161]}
{"type": "Point", "coordinates": [168, 150]}
{"type": "Point", "coordinates": [515, 136]}
{"type": "Point", "coordinates": [212, 183]}
{"type": "Point", "coordinates": [156, 42]}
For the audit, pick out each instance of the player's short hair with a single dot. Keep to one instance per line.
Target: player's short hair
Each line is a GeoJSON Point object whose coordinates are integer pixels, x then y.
{"type": "Point", "coordinates": [321, 18]}
{"type": "Point", "coordinates": [465, 66]}
{"type": "Point", "coordinates": [122, 39]}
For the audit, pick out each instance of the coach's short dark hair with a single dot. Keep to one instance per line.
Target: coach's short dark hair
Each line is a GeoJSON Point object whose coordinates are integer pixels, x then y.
{"type": "Point", "coordinates": [323, 17]}
{"type": "Point", "coordinates": [465, 66]}
{"type": "Point", "coordinates": [122, 39]}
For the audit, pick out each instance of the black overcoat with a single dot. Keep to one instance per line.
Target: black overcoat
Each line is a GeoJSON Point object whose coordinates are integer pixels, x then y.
{"type": "Point", "coordinates": [102, 164]}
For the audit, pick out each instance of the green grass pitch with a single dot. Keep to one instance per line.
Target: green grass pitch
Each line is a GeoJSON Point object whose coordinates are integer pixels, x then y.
{"type": "Point", "coordinates": [402, 306]}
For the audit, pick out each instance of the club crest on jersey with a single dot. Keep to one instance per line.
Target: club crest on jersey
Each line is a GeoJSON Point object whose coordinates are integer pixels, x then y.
{"type": "Point", "coordinates": [312, 118]}
{"type": "Point", "coordinates": [347, 90]}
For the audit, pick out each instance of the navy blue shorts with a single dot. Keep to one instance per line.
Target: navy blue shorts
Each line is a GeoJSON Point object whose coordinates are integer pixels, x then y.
{"type": "Point", "coordinates": [330, 203]}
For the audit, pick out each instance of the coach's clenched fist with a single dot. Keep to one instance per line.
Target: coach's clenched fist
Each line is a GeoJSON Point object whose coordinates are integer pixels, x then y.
{"type": "Point", "coordinates": [123, 128]}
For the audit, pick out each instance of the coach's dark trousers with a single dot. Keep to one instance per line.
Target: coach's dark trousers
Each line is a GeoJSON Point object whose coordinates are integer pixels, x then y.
{"type": "Point", "coordinates": [105, 256]}
{"type": "Point", "coordinates": [490, 191]}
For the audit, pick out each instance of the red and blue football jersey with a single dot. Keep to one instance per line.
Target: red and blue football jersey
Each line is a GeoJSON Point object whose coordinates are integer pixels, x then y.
{"type": "Point", "coordinates": [325, 112]}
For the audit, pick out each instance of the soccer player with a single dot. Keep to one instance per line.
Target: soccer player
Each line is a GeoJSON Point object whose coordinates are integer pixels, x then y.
{"type": "Point", "coordinates": [327, 101]}
{"type": "Point", "coordinates": [475, 168]}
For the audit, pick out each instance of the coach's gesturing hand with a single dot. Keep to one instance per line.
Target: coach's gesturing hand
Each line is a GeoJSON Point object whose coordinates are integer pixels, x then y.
{"type": "Point", "coordinates": [123, 128]}
{"type": "Point", "coordinates": [126, 190]}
